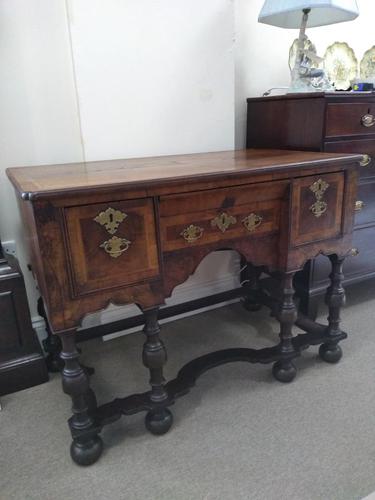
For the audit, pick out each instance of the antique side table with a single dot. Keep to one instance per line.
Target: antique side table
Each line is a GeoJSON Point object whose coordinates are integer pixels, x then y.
{"type": "Point", "coordinates": [129, 231]}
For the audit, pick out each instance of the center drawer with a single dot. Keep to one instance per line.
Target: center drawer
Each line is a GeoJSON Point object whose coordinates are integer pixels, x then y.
{"type": "Point", "coordinates": [210, 216]}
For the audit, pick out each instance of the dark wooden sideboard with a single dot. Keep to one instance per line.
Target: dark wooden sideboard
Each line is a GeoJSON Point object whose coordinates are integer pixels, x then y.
{"type": "Point", "coordinates": [22, 364]}
{"type": "Point", "coordinates": [130, 231]}
{"type": "Point", "coordinates": [341, 122]}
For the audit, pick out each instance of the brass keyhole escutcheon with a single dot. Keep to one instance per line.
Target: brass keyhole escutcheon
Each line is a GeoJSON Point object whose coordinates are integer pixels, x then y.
{"type": "Point", "coordinates": [110, 219]}
{"type": "Point", "coordinates": [319, 187]}
{"type": "Point", "coordinates": [223, 221]}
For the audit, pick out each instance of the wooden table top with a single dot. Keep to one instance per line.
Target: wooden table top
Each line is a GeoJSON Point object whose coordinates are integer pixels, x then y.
{"type": "Point", "coordinates": [45, 179]}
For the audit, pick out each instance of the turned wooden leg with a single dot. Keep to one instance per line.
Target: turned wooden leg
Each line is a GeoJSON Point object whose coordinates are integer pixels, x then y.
{"type": "Point", "coordinates": [158, 420]}
{"type": "Point", "coordinates": [51, 344]}
{"type": "Point", "coordinates": [335, 298]}
{"type": "Point", "coordinates": [250, 281]}
{"type": "Point", "coordinates": [284, 370]}
{"type": "Point", "coordinates": [87, 446]}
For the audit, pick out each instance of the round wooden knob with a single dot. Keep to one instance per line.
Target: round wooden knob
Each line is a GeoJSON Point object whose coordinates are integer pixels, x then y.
{"type": "Point", "coordinates": [366, 160]}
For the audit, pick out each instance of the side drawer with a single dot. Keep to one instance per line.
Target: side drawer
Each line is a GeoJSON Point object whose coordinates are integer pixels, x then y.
{"type": "Point", "coordinates": [205, 217]}
{"type": "Point", "coordinates": [317, 208]}
{"type": "Point", "coordinates": [350, 119]}
{"type": "Point", "coordinates": [111, 244]}
{"type": "Point", "coordinates": [365, 205]}
{"type": "Point", "coordinates": [361, 146]}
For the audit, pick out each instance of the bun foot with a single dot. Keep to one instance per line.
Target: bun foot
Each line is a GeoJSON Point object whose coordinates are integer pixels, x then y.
{"type": "Point", "coordinates": [159, 422]}
{"type": "Point", "coordinates": [284, 371]}
{"type": "Point", "coordinates": [86, 452]}
{"type": "Point", "coordinates": [251, 305]}
{"type": "Point", "coordinates": [330, 353]}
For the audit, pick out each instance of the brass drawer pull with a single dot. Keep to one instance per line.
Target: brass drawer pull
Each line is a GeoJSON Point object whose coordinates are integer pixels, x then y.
{"type": "Point", "coordinates": [354, 252]}
{"type": "Point", "coordinates": [366, 160]}
{"type": "Point", "coordinates": [116, 246]}
{"type": "Point", "coordinates": [359, 205]}
{"type": "Point", "coordinates": [252, 221]}
{"type": "Point", "coordinates": [192, 233]}
{"type": "Point", "coordinates": [319, 187]}
{"type": "Point", "coordinates": [223, 221]}
{"type": "Point", "coordinates": [368, 120]}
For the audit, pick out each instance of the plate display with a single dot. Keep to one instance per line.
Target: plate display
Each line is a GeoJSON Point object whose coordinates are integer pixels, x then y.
{"type": "Point", "coordinates": [367, 65]}
{"type": "Point", "coordinates": [341, 65]}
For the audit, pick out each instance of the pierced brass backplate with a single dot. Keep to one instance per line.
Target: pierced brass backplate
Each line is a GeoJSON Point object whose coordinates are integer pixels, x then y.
{"type": "Point", "coordinates": [319, 187]}
{"type": "Point", "coordinates": [110, 219]}
{"type": "Point", "coordinates": [223, 221]}
{"type": "Point", "coordinates": [192, 233]}
{"type": "Point", "coordinates": [252, 221]}
{"type": "Point", "coordinates": [116, 246]}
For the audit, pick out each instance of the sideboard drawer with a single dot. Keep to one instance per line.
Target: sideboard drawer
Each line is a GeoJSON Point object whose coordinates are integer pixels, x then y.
{"type": "Point", "coordinates": [365, 205]}
{"type": "Point", "coordinates": [111, 244]}
{"type": "Point", "coordinates": [350, 119]}
{"type": "Point", "coordinates": [362, 146]}
{"type": "Point", "coordinates": [317, 208]}
{"type": "Point", "coordinates": [217, 215]}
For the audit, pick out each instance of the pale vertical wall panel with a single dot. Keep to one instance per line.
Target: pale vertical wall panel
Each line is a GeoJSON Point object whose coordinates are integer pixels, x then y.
{"type": "Point", "coordinates": [39, 119]}
{"type": "Point", "coordinates": [154, 76]}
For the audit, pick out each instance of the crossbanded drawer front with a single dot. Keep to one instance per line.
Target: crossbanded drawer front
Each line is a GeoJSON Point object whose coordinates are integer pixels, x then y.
{"type": "Point", "coordinates": [344, 119]}
{"type": "Point", "coordinates": [201, 228]}
{"type": "Point", "coordinates": [317, 208]}
{"type": "Point", "coordinates": [361, 146]}
{"type": "Point", "coordinates": [111, 244]}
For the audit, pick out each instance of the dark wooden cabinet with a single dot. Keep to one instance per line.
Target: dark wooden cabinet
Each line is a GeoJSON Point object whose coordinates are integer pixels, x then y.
{"type": "Point", "coordinates": [22, 363]}
{"type": "Point", "coordinates": [335, 123]}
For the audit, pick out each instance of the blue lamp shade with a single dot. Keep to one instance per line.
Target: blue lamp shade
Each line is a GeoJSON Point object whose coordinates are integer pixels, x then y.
{"type": "Point", "coordinates": [288, 13]}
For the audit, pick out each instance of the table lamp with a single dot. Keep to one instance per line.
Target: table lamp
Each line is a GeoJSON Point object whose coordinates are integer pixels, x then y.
{"type": "Point", "coordinates": [297, 14]}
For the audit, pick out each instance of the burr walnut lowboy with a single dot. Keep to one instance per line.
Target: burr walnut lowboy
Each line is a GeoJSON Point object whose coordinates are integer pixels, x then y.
{"type": "Point", "coordinates": [129, 231]}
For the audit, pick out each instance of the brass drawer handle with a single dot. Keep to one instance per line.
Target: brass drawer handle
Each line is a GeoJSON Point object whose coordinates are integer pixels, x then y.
{"type": "Point", "coordinates": [359, 205]}
{"type": "Point", "coordinates": [319, 187]}
{"type": "Point", "coordinates": [192, 233]}
{"type": "Point", "coordinates": [354, 252]}
{"type": "Point", "coordinates": [368, 120]}
{"type": "Point", "coordinates": [223, 221]}
{"type": "Point", "coordinates": [116, 246]}
{"type": "Point", "coordinates": [252, 221]}
{"type": "Point", "coordinates": [366, 160]}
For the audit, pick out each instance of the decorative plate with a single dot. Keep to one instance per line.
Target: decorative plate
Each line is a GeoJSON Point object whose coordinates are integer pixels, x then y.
{"type": "Point", "coordinates": [308, 48]}
{"type": "Point", "coordinates": [341, 65]}
{"type": "Point", "coordinates": [367, 66]}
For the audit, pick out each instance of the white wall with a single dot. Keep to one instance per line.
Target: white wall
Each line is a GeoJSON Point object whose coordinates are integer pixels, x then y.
{"type": "Point", "coordinates": [39, 119]}
{"type": "Point", "coordinates": [262, 51]}
{"type": "Point", "coordinates": [88, 80]}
